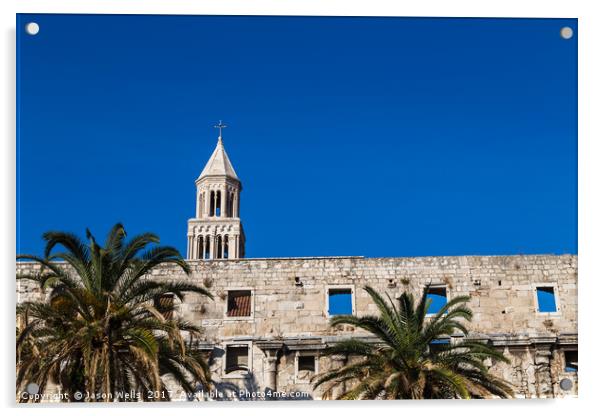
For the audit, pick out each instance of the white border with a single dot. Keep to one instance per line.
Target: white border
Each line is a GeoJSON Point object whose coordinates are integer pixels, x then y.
{"type": "Point", "coordinates": [590, 153]}
{"type": "Point", "coordinates": [458, 8]}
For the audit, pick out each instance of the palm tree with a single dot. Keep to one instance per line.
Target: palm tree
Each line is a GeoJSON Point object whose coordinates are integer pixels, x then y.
{"type": "Point", "coordinates": [106, 328]}
{"type": "Point", "coordinates": [409, 359]}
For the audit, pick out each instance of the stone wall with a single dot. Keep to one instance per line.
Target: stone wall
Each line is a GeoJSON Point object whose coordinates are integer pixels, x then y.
{"type": "Point", "coordinates": [289, 311]}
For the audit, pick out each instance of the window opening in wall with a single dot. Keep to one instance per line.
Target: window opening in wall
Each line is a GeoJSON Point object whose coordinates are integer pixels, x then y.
{"type": "Point", "coordinates": [218, 247]}
{"type": "Point", "coordinates": [439, 344]}
{"type": "Point", "coordinates": [165, 305]}
{"type": "Point", "coordinates": [306, 367]}
{"type": "Point", "coordinates": [340, 302]}
{"type": "Point", "coordinates": [437, 297]}
{"type": "Point", "coordinates": [239, 303]}
{"type": "Point", "coordinates": [570, 361]}
{"type": "Point", "coordinates": [207, 248]}
{"type": "Point", "coordinates": [218, 203]}
{"type": "Point", "coordinates": [237, 358]}
{"type": "Point", "coordinates": [200, 248]}
{"type": "Point", "coordinates": [546, 301]}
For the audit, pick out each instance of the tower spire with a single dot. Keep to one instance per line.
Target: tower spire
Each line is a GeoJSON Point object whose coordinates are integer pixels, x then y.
{"type": "Point", "coordinates": [219, 163]}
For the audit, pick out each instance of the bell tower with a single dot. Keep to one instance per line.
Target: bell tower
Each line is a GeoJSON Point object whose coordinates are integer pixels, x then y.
{"type": "Point", "coordinates": [216, 230]}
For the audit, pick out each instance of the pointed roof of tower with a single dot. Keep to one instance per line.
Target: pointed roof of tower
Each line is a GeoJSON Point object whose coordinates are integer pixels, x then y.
{"type": "Point", "coordinates": [219, 164]}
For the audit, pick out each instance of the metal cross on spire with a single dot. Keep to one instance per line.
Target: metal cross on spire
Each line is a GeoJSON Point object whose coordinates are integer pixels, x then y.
{"type": "Point", "coordinates": [220, 126]}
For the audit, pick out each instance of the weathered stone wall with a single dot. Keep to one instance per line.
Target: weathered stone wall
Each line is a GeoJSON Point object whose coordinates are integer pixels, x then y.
{"type": "Point", "coordinates": [290, 310]}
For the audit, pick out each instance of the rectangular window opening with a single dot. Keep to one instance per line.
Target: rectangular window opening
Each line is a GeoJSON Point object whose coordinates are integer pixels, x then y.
{"type": "Point", "coordinates": [306, 368]}
{"type": "Point", "coordinates": [439, 344]}
{"type": "Point", "coordinates": [237, 358]}
{"type": "Point", "coordinates": [438, 298]}
{"type": "Point", "coordinates": [340, 302]}
{"type": "Point", "coordinates": [165, 305]}
{"type": "Point", "coordinates": [239, 303]}
{"type": "Point", "coordinates": [546, 301]}
{"type": "Point", "coordinates": [570, 361]}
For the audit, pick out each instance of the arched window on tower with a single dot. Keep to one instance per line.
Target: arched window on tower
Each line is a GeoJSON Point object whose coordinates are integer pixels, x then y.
{"type": "Point", "coordinates": [231, 204]}
{"type": "Point", "coordinates": [200, 248]}
{"type": "Point", "coordinates": [218, 203]}
{"type": "Point", "coordinates": [212, 204]}
{"type": "Point", "coordinates": [226, 256]}
{"type": "Point", "coordinates": [207, 248]}
{"type": "Point", "coordinates": [227, 196]}
{"type": "Point", "coordinates": [218, 247]}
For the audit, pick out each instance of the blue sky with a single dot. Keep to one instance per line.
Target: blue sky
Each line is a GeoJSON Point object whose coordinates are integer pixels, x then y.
{"type": "Point", "coordinates": [352, 136]}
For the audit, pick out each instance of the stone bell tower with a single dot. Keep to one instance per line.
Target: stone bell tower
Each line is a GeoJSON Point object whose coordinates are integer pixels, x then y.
{"type": "Point", "coordinates": [216, 231]}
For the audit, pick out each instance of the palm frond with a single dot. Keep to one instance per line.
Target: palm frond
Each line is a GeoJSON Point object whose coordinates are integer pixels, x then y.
{"type": "Point", "coordinates": [403, 363]}
{"type": "Point", "coordinates": [98, 330]}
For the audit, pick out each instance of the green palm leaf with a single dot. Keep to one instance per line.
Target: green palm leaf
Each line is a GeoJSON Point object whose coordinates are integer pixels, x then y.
{"type": "Point", "coordinates": [405, 361]}
{"type": "Point", "coordinates": [99, 331]}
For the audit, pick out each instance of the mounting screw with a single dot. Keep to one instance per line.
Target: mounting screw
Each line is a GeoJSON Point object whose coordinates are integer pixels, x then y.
{"type": "Point", "coordinates": [32, 28]}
